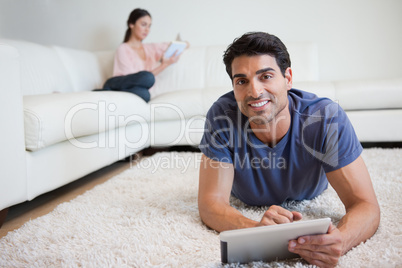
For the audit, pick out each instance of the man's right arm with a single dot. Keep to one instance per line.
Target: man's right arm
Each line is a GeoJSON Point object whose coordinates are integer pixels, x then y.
{"type": "Point", "coordinates": [215, 185]}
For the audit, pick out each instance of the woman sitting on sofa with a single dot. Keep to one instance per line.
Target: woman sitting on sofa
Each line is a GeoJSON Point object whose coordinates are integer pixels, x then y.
{"type": "Point", "coordinates": [136, 64]}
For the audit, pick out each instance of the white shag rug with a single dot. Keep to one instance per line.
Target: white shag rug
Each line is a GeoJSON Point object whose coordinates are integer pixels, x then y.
{"type": "Point", "coordinates": [148, 216]}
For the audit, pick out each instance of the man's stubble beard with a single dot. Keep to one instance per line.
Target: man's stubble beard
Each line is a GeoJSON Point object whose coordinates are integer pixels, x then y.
{"type": "Point", "coordinates": [261, 118]}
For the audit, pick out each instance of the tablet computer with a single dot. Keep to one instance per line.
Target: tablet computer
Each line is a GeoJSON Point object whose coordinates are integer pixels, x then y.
{"type": "Point", "coordinates": [267, 243]}
{"type": "Point", "coordinates": [175, 46]}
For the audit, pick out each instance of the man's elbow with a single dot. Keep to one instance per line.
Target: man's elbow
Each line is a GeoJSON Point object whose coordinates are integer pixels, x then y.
{"type": "Point", "coordinates": [373, 212]}
{"type": "Point", "coordinates": [377, 215]}
{"type": "Point", "coordinates": [209, 213]}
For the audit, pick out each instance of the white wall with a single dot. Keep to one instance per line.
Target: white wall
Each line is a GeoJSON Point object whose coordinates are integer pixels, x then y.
{"type": "Point", "coordinates": [357, 39]}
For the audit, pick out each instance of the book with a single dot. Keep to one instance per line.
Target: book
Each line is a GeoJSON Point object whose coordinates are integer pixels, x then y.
{"type": "Point", "coordinates": [175, 47]}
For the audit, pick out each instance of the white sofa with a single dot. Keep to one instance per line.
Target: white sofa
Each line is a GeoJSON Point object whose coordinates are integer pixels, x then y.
{"type": "Point", "coordinates": [56, 130]}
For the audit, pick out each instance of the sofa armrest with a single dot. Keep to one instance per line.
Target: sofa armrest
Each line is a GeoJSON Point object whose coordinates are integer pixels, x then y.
{"type": "Point", "coordinates": [13, 183]}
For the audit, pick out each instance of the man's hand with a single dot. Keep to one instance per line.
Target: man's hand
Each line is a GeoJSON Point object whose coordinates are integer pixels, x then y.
{"type": "Point", "coordinates": [278, 215]}
{"type": "Point", "coordinates": [215, 185]}
{"type": "Point", "coordinates": [321, 250]}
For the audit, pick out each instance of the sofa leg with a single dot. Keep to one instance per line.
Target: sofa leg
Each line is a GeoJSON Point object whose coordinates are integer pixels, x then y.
{"type": "Point", "coordinates": [3, 216]}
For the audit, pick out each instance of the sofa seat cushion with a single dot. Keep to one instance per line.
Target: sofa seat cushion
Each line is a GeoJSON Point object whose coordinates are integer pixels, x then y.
{"type": "Point", "coordinates": [184, 104]}
{"type": "Point", "coordinates": [369, 95]}
{"type": "Point", "coordinates": [377, 125]}
{"type": "Point", "coordinates": [52, 118]}
{"type": "Point", "coordinates": [320, 88]}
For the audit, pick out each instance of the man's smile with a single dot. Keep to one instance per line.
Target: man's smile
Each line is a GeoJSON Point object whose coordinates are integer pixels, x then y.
{"type": "Point", "coordinates": [259, 105]}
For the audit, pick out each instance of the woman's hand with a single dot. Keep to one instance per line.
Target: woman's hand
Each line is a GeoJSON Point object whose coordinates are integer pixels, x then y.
{"type": "Point", "coordinates": [165, 62]}
{"type": "Point", "coordinates": [169, 61]}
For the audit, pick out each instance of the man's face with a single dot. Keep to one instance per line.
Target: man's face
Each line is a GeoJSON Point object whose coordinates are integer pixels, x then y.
{"type": "Point", "coordinates": [260, 88]}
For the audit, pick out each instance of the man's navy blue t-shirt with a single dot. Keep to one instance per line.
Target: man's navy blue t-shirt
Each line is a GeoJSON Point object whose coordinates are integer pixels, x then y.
{"type": "Point", "coordinates": [320, 139]}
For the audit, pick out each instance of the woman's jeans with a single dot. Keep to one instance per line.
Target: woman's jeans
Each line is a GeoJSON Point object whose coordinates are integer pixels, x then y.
{"type": "Point", "coordinates": [138, 83]}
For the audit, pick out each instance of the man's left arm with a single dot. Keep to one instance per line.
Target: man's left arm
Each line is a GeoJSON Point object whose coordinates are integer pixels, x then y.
{"type": "Point", "coordinates": [354, 187]}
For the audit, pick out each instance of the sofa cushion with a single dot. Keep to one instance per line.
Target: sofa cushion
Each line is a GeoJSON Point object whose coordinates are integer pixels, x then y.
{"type": "Point", "coordinates": [377, 125]}
{"type": "Point", "coordinates": [184, 104]}
{"type": "Point", "coordinates": [42, 71]}
{"type": "Point", "coordinates": [304, 58]}
{"type": "Point", "coordinates": [105, 60]}
{"type": "Point", "coordinates": [369, 95]}
{"type": "Point", "coordinates": [187, 74]}
{"type": "Point", "coordinates": [52, 118]}
{"type": "Point", "coordinates": [215, 70]}
{"type": "Point", "coordinates": [82, 67]}
{"type": "Point", "coordinates": [320, 88]}
{"type": "Point", "coordinates": [177, 105]}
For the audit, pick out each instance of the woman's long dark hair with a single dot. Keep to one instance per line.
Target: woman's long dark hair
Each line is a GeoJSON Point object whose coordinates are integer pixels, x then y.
{"type": "Point", "coordinates": [134, 16]}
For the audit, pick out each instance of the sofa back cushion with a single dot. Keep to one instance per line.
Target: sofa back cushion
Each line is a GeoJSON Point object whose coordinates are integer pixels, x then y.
{"type": "Point", "coordinates": [85, 69]}
{"type": "Point", "coordinates": [215, 70]}
{"type": "Point", "coordinates": [187, 74]}
{"type": "Point", "coordinates": [51, 69]}
{"type": "Point", "coordinates": [54, 69]}
{"type": "Point", "coordinates": [42, 71]}
{"type": "Point", "coordinates": [304, 58]}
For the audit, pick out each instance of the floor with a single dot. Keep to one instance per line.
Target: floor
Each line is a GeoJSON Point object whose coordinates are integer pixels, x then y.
{"type": "Point", "coordinates": [22, 213]}
{"type": "Point", "coordinates": [41, 205]}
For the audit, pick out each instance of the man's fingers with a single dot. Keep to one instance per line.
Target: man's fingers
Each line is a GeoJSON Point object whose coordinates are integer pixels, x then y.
{"type": "Point", "coordinates": [279, 215]}
{"type": "Point", "coordinates": [297, 216]}
{"type": "Point", "coordinates": [325, 239]}
{"type": "Point", "coordinates": [271, 218]}
{"type": "Point", "coordinates": [331, 228]}
{"type": "Point", "coordinates": [321, 256]}
{"type": "Point", "coordinates": [322, 250]}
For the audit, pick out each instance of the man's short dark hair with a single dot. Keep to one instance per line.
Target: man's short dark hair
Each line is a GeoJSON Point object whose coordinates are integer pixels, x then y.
{"type": "Point", "coordinates": [257, 43]}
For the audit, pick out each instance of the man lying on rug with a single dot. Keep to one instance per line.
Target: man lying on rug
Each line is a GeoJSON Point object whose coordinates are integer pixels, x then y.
{"type": "Point", "coordinates": [266, 143]}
